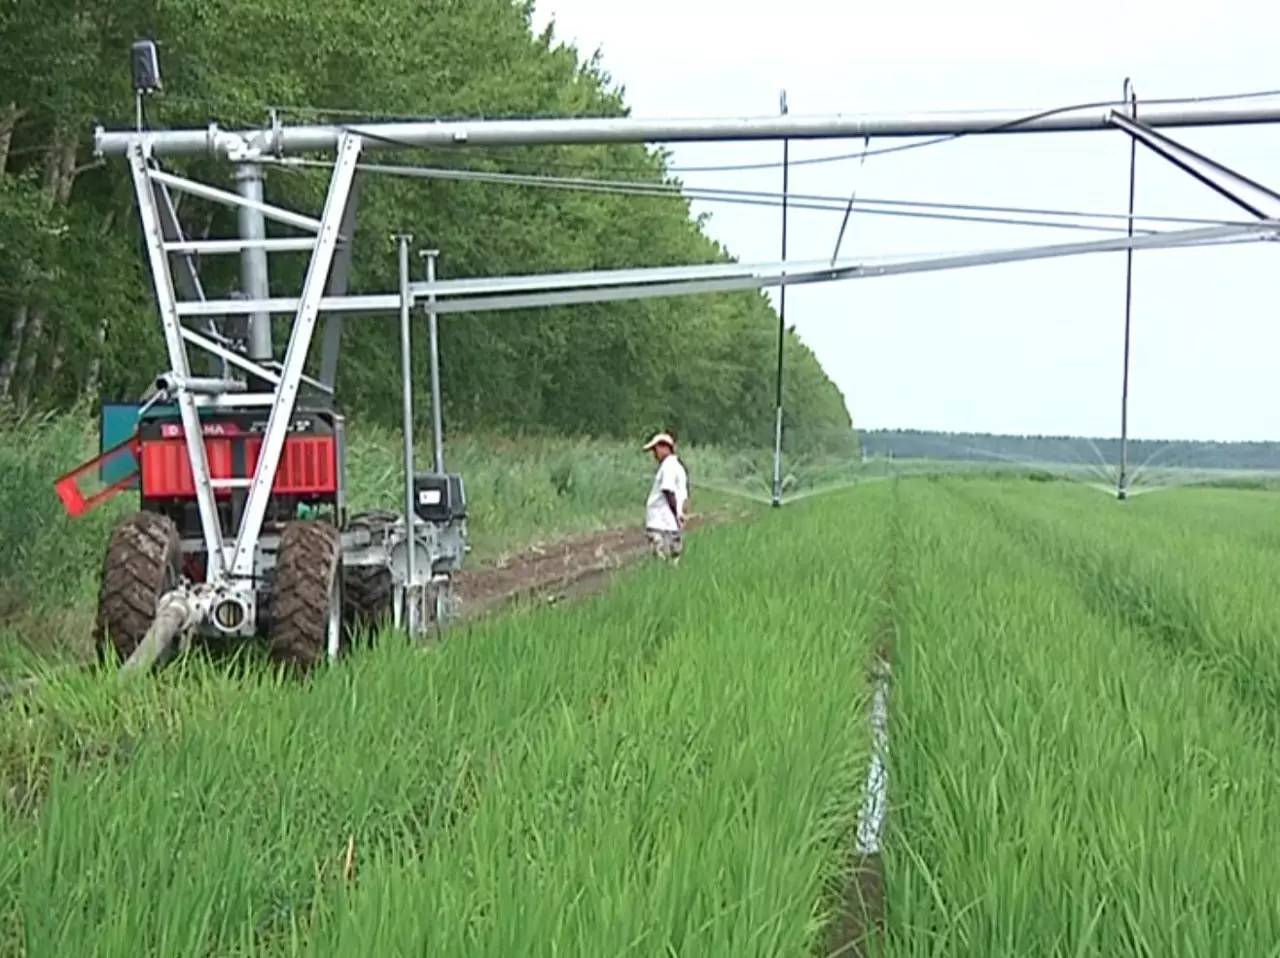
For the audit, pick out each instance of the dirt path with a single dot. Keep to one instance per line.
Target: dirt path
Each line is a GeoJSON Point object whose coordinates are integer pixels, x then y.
{"type": "Point", "coordinates": [859, 924]}
{"type": "Point", "coordinates": [563, 569]}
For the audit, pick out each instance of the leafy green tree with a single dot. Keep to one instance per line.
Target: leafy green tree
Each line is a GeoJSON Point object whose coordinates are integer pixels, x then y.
{"type": "Point", "coordinates": [76, 316]}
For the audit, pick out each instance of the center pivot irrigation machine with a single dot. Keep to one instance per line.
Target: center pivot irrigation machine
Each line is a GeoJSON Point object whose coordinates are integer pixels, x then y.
{"type": "Point", "coordinates": [243, 527]}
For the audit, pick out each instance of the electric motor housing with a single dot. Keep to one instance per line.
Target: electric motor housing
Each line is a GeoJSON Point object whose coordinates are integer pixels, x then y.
{"type": "Point", "coordinates": [439, 497]}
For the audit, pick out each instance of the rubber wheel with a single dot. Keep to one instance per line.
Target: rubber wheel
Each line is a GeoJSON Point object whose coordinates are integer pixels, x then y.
{"type": "Point", "coordinates": [143, 561]}
{"type": "Point", "coordinates": [368, 591]}
{"type": "Point", "coordinates": [369, 595]}
{"type": "Point", "coordinates": [306, 624]}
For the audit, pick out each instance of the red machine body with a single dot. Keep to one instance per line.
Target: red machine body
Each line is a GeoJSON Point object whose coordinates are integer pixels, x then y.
{"type": "Point", "coordinates": [308, 466]}
{"type": "Point", "coordinates": [153, 461]}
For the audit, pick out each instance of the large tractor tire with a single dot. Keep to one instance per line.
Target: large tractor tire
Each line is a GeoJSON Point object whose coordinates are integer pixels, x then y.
{"type": "Point", "coordinates": [370, 597]}
{"type": "Point", "coordinates": [368, 591]}
{"type": "Point", "coordinates": [142, 563]}
{"type": "Point", "coordinates": [306, 622]}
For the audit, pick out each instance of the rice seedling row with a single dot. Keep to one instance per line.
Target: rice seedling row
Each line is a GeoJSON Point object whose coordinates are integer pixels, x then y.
{"type": "Point", "coordinates": [1061, 787]}
{"type": "Point", "coordinates": [1081, 759]}
{"type": "Point", "coordinates": [1197, 595]}
{"type": "Point", "coordinates": [677, 764]}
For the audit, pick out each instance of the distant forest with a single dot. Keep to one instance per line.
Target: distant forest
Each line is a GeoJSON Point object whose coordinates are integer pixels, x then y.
{"type": "Point", "coordinates": [1068, 450]}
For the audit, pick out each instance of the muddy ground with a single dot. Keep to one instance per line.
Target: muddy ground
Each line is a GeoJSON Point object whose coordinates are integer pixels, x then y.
{"type": "Point", "coordinates": [858, 926]}
{"type": "Point", "coordinates": [563, 569]}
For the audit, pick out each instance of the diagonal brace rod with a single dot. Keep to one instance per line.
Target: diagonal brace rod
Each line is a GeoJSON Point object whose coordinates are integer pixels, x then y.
{"type": "Point", "coordinates": [229, 356]}
{"type": "Point", "coordinates": [182, 185]}
{"type": "Point", "coordinates": [295, 357]}
{"type": "Point", "coordinates": [1248, 194]}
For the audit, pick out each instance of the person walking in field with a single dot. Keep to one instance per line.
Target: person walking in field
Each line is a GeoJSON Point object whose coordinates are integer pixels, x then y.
{"type": "Point", "coordinates": [668, 505]}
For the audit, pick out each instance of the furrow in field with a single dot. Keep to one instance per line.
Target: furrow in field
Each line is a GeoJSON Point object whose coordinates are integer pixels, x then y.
{"type": "Point", "coordinates": [857, 920]}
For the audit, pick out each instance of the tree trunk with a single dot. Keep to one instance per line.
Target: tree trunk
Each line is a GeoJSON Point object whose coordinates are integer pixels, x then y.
{"type": "Point", "coordinates": [93, 377]}
{"type": "Point", "coordinates": [27, 370]}
{"type": "Point", "coordinates": [9, 117]}
{"type": "Point", "coordinates": [17, 330]}
{"type": "Point", "coordinates": [67, 171]}
{"type": "Point", "coordinates": [59, 176]}
{"type": "Point", "coordinates": [59, 358]}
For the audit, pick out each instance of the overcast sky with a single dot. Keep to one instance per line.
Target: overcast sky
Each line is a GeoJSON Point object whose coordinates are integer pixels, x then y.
{"type": "Point", "coordinates": [1032, 347]}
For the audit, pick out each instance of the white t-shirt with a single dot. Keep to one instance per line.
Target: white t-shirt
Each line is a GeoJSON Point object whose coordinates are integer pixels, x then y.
{"type": "Point", "coordinates": [672, 478]}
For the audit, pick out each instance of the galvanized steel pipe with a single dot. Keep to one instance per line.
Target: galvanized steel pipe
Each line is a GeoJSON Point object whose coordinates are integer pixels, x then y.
{"type": "Point", "coordinates": [462, 133]}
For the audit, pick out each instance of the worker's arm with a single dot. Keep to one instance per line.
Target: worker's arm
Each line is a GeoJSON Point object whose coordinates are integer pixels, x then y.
{"type": "Point", "coordinates": [671, 502]}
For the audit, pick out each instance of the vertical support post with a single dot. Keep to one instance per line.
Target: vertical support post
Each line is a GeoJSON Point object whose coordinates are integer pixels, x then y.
{"type": "Point", "coordinates": [1122, 482]}
{"type": "Point", "coordinates": [782, 322]}
{"type": "Point", "coordinates": [406, 387]}
{"type": "Point", "coordinates": [295, 357]}
{"type": "Point", "coordinates": [339, 281]}
{"type": "Point", "coordinates": [433, 331]}
{"type": "Point", "coordinates": [254, 278]}
{"type": "Point", "coordinates": [167, 304]}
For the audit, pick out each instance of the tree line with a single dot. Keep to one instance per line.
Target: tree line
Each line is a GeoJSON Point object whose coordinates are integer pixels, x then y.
{"type": "Point", "coordinates": [76, 313]}
{"type": "Point", "coordinates": [1068, 450]}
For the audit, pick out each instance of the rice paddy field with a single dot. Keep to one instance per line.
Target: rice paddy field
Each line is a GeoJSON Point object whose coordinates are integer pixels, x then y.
{"type": "Point", "coordinates": [1082, 718]}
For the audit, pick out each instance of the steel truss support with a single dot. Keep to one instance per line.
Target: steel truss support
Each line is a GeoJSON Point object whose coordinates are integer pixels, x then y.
{"type": "Point", "coordinates": [406, 392]}
{"type": "Point", "coordinates": [255, 280]}
{"type": "Point", "coordinates": [339, 280]}
{"type": "Point", "coordinates": [229, 356]}
{"type": "Point", "coordinates": [433, 366]}
{"type": "Point", "coordinates": [206, 192]}
{"type": "Point", "coordinates": [1122, 479]}
{"type": "Point", "coordinates": [295, 358]}
{"type": "Point", "coordinates": [164, 238]}
{"type": "Point", "coordinates": [1248, 194]}
{"type": "Point", "coordinates": [188, 274]}
{"type": "Point", "coordinates": [166, 302]}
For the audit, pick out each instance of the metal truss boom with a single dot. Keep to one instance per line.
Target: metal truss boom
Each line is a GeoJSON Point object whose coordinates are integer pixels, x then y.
{"type": "Point", "coordinates": [559, 289]}
{"type": "Point", "coordinates": [284, 140]}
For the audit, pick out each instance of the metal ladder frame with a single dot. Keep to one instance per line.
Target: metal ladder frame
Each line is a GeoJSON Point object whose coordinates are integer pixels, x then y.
{"type": "Point", "coordinates": [231, 565]}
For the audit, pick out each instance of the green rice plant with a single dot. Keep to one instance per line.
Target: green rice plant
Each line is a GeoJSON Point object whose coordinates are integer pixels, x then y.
{"type": "Point", "coordinates": [283, 772]}
{"type": "Point", "coordinates": [674, 764]}
{"type": "Point", "coordinates": [1060, 785]}
{"type": "Point", "coordinates": [700, 810]}
{"type": "Point", "coordinates": [1198, 593]}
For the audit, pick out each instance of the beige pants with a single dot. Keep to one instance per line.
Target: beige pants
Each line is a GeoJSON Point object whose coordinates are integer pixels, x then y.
{"type": "Point", "coordinates": [666, 545]}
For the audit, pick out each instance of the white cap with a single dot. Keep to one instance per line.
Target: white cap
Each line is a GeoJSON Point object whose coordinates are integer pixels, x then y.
{"type": "Point", "coordinates": [660, 439]}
